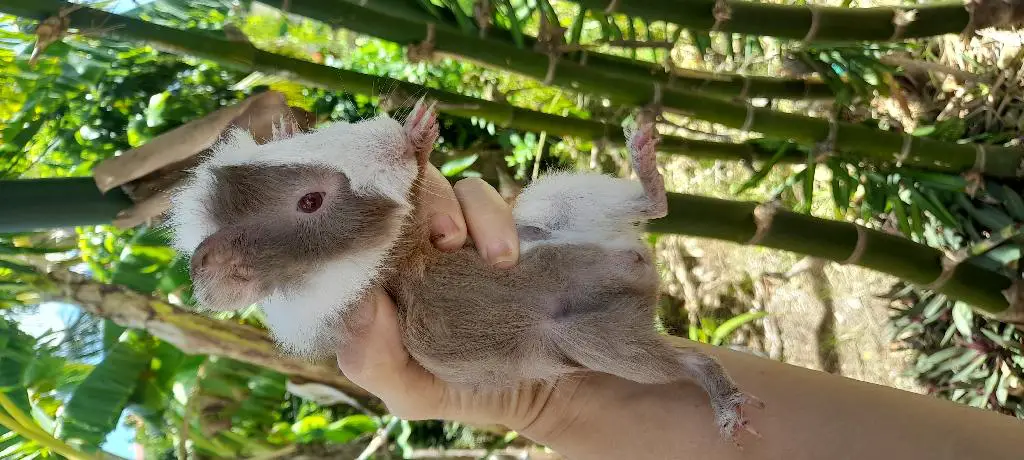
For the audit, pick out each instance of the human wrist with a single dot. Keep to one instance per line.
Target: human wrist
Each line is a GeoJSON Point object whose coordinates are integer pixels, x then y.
{"type": "Point", "coordinates": [551, 412]}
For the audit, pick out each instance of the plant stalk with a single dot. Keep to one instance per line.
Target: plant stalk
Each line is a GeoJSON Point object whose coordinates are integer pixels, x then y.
{"type": "Point", "coordinates": [247, 57]}
{"type": "Point", "coordinates": [833, 240]}
{"type": "Point", "coordinates": [878, 147]}
{"type": "Point", "coordinates": [28, 429]}
{"type": "Point", "coordinates": [32, 204]}
{"type": "Point", "coordinates": [853, 141]}
{"type": "Point", "coordinates": [190, 332]}
{"type": "Point", "coordinates": [724, 84]}
{"type": "Point", "coordinates": [834, 24]}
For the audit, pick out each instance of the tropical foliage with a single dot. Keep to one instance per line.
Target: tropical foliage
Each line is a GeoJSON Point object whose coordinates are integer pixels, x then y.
{"type": "Point", "coordinates": [815, 140]}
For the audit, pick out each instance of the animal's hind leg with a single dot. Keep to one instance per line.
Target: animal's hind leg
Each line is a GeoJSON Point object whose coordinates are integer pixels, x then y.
{"type": "Point", "coordinates": [654, 361]}
{"type": "Point", "coordinates": [592, 202]}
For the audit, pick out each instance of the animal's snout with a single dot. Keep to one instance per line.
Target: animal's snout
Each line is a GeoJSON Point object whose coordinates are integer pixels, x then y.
{"type": "Point", "coordinates": [225, 279]}
{"type": "Point", "coordinates": [218, 257]}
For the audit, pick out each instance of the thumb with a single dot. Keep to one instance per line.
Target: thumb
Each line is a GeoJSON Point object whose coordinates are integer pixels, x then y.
{"type": "Point", "coordinates": [371, 355]}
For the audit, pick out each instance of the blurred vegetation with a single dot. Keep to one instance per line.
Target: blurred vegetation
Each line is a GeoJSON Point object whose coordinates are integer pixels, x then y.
{"type": "Point", "coordinates": [89, 98]}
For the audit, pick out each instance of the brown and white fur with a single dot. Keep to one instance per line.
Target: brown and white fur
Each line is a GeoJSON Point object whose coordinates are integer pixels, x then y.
{"type": "Point", "coordinates": [581, 297]}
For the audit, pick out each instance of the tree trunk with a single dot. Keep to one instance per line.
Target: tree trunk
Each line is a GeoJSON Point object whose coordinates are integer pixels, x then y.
{"type": "Point", "coordinates": [190, 332]}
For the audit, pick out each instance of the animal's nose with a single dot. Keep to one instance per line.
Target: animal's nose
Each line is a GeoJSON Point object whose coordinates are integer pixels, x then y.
{"type": "Point", "coordinates": [214, 255]}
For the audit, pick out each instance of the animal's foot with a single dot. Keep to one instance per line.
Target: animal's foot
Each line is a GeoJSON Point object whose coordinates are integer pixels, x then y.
{"type": "Point", "coordinates": [422, 130]}
{"type": "Point", "coordinates": [643, 145]}
{"type": "Point", "coordinates": [730, 417]}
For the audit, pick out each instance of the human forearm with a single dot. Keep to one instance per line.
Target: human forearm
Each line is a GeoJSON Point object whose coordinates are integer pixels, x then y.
{"type": "Point", "coordinates": [809, 414]}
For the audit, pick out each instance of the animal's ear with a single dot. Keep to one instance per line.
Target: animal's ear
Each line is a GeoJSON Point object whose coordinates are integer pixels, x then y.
{"type": "Point", "coordinates": [237, 137]}
{"type": "Point", "coordinates": [235, 146]}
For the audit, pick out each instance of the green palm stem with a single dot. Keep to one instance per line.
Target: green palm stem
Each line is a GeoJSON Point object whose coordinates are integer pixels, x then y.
{"type": "Point", "coordinates": [856, 142]}
{"type": "Point", "coordinates": [725, 84]}
{"type": "Point", "coordinates": [32, 204]}
{"type": "Point", "coordinates": [735, 221]}
{"type": "Point", "coordinates": [247, 57]}
{"type": "Point", "coordinates": [872, 145]}
{"type": "Point", "coordinates": [834, 24]}
{"type": "Point", "coordinates": [836, 241]}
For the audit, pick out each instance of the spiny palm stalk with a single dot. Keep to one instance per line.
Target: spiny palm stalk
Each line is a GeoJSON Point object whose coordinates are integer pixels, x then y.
{"type": "Point", "coordinates": [879, 147]}
{"type": "Point", "coordinates": [832, 240]}
{"type": "Point", "coordinates": [726, 84]}
{"type": "Point", "coordinates": [734, 221]}
{"type": "Point", "coordinates": [855, 142]}
{"type": "Point", "coordinates": [739, 222]}
{"type": "Point", "coordinates": [833, 24]}
{"type": "Point", "coordinates": [247, 57]}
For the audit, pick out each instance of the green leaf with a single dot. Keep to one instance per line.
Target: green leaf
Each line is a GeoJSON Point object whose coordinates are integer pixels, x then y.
{"type": "Point", "coordinates": [759, 176]}
{"type": "Point", "coordinates": [729, 326]}
{"type": "Point", "coordinates": [465, 22]}
{"type": "Point", "coordinates": [916, 219]}
{"type": "Point", "coordinates": [155, 109]}
{"type": "Point", "coordinates": [841, 189]}
{"type": "Point", "coordinates": [966, 372]}
{"type": "Point", "coordinates": [925, 363]}
{"type": "Point", "coordinates": [990, 384]}
{"type": "Point", "coordinates": [576, 30]}
{"type": "Point", "coordinates": [934, 306]}
{"type": "Point", "coordinates": [902, 219]}
{"type": "Point", "coordinates": [454, 167]}
{"type": "Point", "coordinates": [963, 317]}
{"type": "Point", "coordinates": [930, 202]}
{"type": "Point", "coordinates": [935, 180]}
{"type": "Point", "coordinates": [809, 181]}
{"type": "Point", "coordinates": [515, 28]}
{"type": "Point", "coordinates": [350, 428]}
{"type": "Point", "coordinates": [1013, 203]}
{"type": "Point", "coordinates": [95, 406]}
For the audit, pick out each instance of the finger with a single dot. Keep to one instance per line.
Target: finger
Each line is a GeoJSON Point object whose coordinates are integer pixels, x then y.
{"type": "Point", "coordinates": [489, 220]}
{"type": "Point", "coordinates": [372, 356]}
{"type": "Point", "coordinates": [442, 212]}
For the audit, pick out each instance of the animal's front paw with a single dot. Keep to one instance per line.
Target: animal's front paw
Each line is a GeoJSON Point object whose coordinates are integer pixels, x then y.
{"type": "Point", "coordinates": [421, 129]}
{"type": "Point", "coordinates": [643, 145]}
{"type": "Point", "coordinates": [730, 417]}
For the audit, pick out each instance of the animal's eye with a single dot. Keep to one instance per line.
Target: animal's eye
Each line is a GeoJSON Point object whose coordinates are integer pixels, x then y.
{"type": "Point", "coordinates": [311, 202]}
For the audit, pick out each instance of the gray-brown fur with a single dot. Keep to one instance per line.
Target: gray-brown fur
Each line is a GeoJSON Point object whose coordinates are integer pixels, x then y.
{"type": "Point", "coordinates": [562, 309]}
{"type": "Point", "coordinates": [570, 305]}
{"type": "Point", "coordinates": [261, 228]}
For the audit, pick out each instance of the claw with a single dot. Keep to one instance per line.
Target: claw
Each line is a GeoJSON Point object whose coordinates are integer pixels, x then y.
{"type": "Point", "coordinates": [735, 419]}
{"type": "Point", "coordinates": [422, 129]}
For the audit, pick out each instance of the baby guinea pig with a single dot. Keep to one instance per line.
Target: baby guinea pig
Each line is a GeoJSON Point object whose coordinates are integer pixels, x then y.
{"type": "Point", "coordinates": [303, 225]}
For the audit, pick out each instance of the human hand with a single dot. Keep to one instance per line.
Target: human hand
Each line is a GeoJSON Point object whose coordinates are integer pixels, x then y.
{"type": "Point", "coordinates": [372, 354]}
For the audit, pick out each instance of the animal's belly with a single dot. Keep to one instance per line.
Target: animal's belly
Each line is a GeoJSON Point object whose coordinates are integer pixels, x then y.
{"type": "Point", "coordinates": [467, 322]}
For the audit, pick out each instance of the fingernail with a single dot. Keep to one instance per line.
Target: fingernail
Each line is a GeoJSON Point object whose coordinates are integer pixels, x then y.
{"type": "Point", "coordinates": [443, 231]}
{"type": "Point", "coordinates": [500, 255]}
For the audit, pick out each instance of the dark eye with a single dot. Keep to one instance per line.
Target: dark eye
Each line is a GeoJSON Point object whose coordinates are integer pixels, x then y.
{"type": "Point", "coordinates": [311, 202]}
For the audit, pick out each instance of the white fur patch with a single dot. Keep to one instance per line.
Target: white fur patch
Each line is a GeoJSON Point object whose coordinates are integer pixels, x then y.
{"type": "Point", "coordinates": [581, 208]}
{"type": "Point", "coordinates": [303, 320]}
{"type": "Point", "coordinates": [371, 153]}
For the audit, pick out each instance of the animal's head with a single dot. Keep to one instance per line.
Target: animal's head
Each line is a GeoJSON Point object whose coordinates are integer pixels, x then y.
{"type": "Point", "coordinates": [299, 225]}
